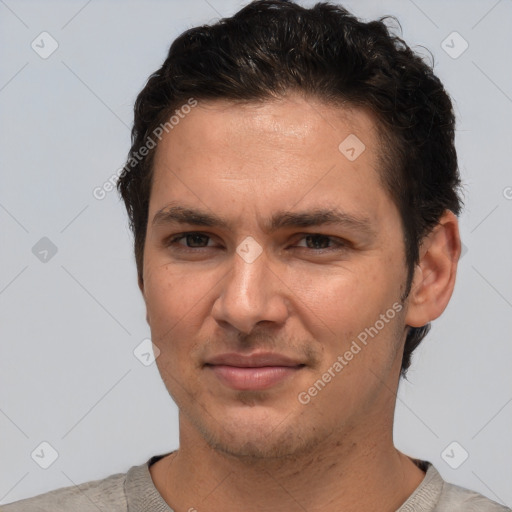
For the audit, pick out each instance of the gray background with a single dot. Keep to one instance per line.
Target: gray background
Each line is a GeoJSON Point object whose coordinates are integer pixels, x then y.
{"type": "Point", "coordinates": [69, 325]}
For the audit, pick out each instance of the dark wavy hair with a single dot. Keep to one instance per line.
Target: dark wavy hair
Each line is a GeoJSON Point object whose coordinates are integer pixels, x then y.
{"type": "Point", "coordinates": [272, 47]}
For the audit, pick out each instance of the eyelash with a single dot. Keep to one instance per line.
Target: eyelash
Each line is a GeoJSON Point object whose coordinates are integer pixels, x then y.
{"type": "Point", "coordinates": [173, 241]}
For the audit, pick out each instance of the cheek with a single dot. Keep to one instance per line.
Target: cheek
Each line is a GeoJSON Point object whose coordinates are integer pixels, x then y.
{"type": "Point", "coordinates": [175, 303]}
{"type": "Point", "coordinates": [348, 296]}
{"type": "Point", "coordinates": [346, 307]}
{"type": "Point", "coordinates": [174, 299]}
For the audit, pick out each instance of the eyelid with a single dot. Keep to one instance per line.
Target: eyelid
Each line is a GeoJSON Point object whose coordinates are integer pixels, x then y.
{"type": "Point", "coordinates": [176, 237]}
{"type": "Point", "coordinates": [336, 241]}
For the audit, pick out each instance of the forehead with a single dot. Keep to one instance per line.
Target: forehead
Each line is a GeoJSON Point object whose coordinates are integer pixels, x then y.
{"type": "Point", "coordinates": [282, 152]}
{"type": "Point", "coordinates": [291, 121]}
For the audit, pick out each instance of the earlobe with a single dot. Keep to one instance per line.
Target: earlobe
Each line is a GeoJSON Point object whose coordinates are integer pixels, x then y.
{"type": "Point", "coordinates": [434, 275]}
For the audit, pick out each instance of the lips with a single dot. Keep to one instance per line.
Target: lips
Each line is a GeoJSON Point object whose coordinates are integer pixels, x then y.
{"type": "Point", "coordinates": [253, 360]}
{"type": "Point", "coordinates": [253, 372]}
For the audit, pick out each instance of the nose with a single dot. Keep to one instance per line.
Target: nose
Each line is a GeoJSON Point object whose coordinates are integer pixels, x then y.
{"type": "Point", "coordinates": [251, 293]}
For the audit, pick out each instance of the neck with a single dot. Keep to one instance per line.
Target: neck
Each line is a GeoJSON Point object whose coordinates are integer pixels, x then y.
{"type": "Point", "coordinates": [348, 471]}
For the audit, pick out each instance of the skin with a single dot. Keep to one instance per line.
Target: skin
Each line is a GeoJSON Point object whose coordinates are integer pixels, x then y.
{"type": "Point", "coordinates": [307, 298]}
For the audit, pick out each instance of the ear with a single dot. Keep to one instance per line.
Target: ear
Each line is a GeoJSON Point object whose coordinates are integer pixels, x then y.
{"type": "Point", "coordinates": [434, 275]}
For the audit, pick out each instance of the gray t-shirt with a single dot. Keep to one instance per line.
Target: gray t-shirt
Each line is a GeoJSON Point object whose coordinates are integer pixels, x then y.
{"type": "Point", "coordinates": [134, 491]}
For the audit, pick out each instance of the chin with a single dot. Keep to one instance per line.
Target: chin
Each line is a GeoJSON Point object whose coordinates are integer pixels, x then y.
{"type": "Point", "coordinates": [240, 447]}
{"type": "Point", "coordinates": [259, 437]}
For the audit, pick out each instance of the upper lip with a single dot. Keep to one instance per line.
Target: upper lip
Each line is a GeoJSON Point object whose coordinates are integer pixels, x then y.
{"type": "Point", "coordinates": [253, 360]}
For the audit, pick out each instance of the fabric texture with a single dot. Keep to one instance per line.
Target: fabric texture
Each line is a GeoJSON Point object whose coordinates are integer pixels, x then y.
{"type": "Point", "coordinates": [134, 491]}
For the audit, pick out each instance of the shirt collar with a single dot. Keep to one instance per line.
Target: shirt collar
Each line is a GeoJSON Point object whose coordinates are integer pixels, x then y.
{"type": "Point", "coordinates": [142, 495]}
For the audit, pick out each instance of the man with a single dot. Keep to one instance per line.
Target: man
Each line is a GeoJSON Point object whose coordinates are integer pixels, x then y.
{"type": "Point", "coordinates": [292, 187]}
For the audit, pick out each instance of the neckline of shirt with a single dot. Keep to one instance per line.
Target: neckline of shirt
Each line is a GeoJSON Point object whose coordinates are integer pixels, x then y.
{"type": "Point", "coordinates": [142, 495]}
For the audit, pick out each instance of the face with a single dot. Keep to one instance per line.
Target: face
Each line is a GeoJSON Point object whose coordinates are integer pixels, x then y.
{"type": "Point", "coordinates": [273, 270]}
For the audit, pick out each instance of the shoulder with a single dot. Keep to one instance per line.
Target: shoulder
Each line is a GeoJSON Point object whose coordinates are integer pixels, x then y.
{"type": "Point", "coordinates": [104, 495]}
{"type": "Point", "coordinates": [434, 494]}
{"type": "Point", "coordinates": [454, 498]}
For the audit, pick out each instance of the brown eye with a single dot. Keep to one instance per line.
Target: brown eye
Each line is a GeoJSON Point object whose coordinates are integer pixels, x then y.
{"type": "Point", "coordinates": [196, 240]}
{"type": "Point", "coordinates": [320, 242]}
{"type": "Point", "coordinates": [317, 241]}
{"type": "Point", "coordinates": [193, 240]}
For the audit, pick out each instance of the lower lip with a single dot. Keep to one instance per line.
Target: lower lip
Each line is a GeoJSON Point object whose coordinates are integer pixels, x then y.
{"type": "Point", "coordinates": [244, 379]}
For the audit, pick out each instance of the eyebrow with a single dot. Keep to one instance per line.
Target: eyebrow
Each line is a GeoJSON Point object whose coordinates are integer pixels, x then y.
{"type": "Point", "coordinates": [281, 219]}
